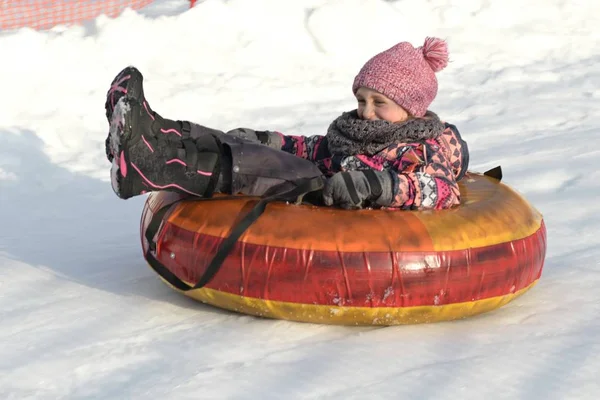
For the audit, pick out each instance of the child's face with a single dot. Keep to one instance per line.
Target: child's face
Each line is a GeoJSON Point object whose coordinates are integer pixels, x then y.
{"type": "Point", "coordinates": [374, 106]}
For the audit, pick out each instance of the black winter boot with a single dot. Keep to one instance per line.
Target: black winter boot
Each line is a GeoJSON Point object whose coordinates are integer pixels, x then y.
{"type": "Point", "coordinates": [150, 153]}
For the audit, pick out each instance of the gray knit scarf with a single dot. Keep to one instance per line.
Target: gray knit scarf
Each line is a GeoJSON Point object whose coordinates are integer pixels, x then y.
{"type": "Point", "coordinates": [350, 135]}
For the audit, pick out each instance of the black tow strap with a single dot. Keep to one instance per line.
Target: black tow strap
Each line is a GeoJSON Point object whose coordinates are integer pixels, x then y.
{"type": "Point", "coordinates": [287, 191]}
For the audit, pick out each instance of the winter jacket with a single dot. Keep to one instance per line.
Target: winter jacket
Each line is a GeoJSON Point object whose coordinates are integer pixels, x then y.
{"type": "Point", "coordinates": [427, 172]}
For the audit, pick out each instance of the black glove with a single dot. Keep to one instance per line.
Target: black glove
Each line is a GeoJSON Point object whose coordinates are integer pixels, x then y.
{"type": "Point", "coordinates": [358, 189]}
{"type": "Point", "coordinates": [268, 138]}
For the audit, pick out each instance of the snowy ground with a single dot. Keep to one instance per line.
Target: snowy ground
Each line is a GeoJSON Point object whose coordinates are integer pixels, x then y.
{"type": "Point", "coordinates": [81, 315]}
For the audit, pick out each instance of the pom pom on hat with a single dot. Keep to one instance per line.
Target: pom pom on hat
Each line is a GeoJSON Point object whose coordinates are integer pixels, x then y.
{"type": "Point", "coordinates": [435, 51]}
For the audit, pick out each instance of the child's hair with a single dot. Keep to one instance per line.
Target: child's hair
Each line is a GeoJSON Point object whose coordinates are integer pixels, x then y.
{"type": "Point", "coordinates": [406, 74]}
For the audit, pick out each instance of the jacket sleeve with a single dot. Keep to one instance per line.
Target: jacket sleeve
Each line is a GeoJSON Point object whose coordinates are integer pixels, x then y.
{"type": "Point", "coordinates": [312, 148]}
{"type": "Point", "coordinates": [424, 179]}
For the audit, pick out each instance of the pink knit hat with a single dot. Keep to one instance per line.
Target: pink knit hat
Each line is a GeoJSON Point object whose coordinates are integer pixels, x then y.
{"type": "Point", "coordinates": [406, 74]}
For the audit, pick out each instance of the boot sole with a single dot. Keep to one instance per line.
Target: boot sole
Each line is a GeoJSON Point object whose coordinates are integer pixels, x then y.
{"type": "Point", "coordinates": [124, 118]}
{"type": "Point", "coordinates": [133, 89]}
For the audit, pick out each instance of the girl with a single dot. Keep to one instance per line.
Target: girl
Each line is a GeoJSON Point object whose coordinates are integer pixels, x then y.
{"type": "Point", "coordinates": [390, 152]}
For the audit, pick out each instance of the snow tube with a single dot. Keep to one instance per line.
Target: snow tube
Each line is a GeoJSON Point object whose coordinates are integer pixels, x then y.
{"type": "Point", "coordinates": [351, 267]}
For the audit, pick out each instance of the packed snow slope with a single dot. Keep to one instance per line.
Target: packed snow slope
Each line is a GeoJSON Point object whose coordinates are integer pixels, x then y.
{"type": "Point", "coordinates": [81, 315]}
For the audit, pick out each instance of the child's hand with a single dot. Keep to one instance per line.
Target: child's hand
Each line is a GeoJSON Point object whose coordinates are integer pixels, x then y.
{"type": "Point", "coordinates": [357, 189]}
